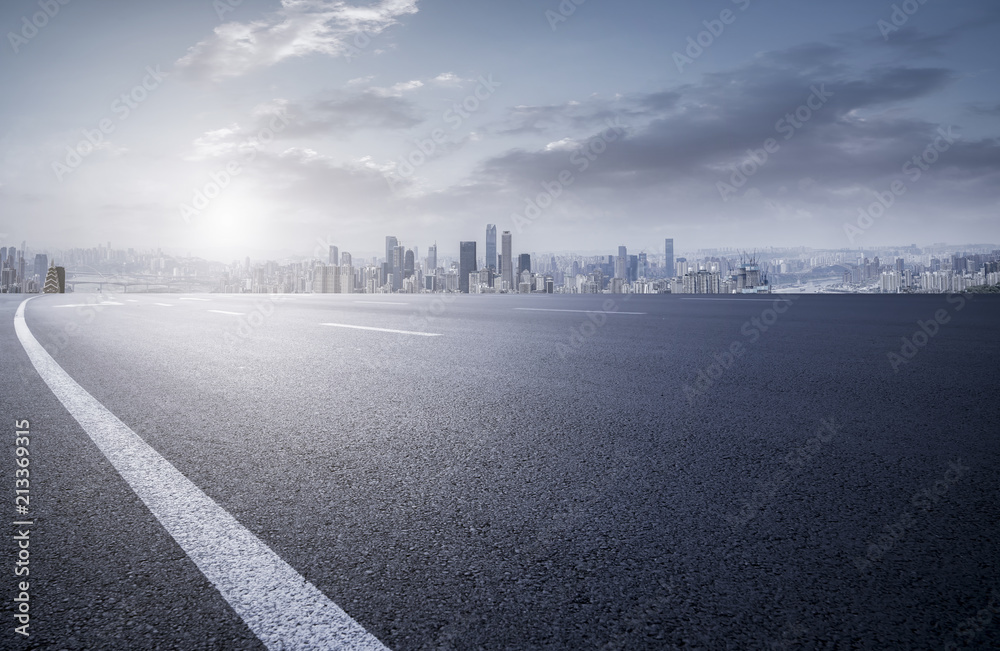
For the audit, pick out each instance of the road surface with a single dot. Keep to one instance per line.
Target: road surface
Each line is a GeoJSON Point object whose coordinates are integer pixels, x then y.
{"type": "Point", "coordinates": [509, 472]}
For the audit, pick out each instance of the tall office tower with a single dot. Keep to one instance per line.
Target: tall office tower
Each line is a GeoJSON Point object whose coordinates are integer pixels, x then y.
{"type": "Point", "coordinates": [41, 266]}
{"type": "Point", "coordinates": [507, 261]}
{"type": "Point", "coordinates": [491, 247]}
{"type": "Point", "coordinates": [345, 259]}
{"type": "Point", "coordinates": [523, 263]}
{"type": "Point", "coordinates": [3, 256]}
{"type": "Point", "coordinates": [432, 258]}
{"type": "Point", "coordinates": [390, 245]}
{"type": "Point", "coordinates": [643, 270]}
{"type": "Point", "coordinates": [621, 261]}
{"type": "Point", "coordinates": [632, 269]}
{"type": "Point", "coordinates": [466, 265]}
{"type": "Point", "coordinates": [334, 255]}
{"type": "Point", "coordinates": [408, 262]}
{"type": "Point", "coordinates": [398, 256]}
{"type": "Point", "coordinates": [668, 261]}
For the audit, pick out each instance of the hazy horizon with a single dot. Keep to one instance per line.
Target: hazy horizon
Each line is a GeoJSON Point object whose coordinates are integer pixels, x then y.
{"type": "Point", "coordinates": [568, 124]}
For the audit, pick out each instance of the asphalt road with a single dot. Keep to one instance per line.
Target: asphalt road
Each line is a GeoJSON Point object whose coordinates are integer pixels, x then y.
{"type": "Point", "coordinates": [519, 472]}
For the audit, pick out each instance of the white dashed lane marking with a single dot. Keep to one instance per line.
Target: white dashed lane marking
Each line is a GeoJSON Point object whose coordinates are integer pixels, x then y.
{"type": "Point", "coordinates": [545, 309]}
{"type": "Point", "coordinates": [398, 332]}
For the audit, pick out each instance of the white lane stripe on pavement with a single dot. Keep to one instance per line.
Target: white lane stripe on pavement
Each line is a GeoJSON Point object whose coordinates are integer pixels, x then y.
{"type": "Point", "coordinates": [89, 304]}
{"type": "Point", "coordinates": [194, 299]}
{"type": "Point", "coordinates": [225, 312]}
{"type": "Point", "coordinates": [547, 309]}
{"type": "Point", "coordinates": [164, 304]}
{"type": "Point", "coordinates": [380, 303]}
{"type": "Point", "coordinates": [399, 332]}
{"type": "Point", "coordinates": [282, 609]}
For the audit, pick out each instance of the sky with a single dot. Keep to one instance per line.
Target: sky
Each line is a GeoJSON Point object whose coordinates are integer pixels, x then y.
{"type": "Point", "coordinates": [273, 128]}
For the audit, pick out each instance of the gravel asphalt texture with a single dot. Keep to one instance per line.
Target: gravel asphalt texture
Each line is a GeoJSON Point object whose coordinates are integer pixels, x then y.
{"type": "Point", "coordinates": [529, 478]}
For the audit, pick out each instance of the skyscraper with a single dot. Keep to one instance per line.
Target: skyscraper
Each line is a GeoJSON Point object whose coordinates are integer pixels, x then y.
{"type": "Point", "coordinates": [390, 244]}
{"type": "Point", "coordinates": [466, 265]}
{"type": "Point", "coordinates": [507, 261]}
{"type": "Point", "coordinates": [491, 247]}
{"type": "Point", "coordinates": [408, 263]}
{"type": "Point", "coordinates": [432, 258]}
{"type": "Point", "coordinates": [523, 263]}
{"type": "Point", "coordinates": [398, 255]}
{"type": "Point", "coordinates": [668, 261]}
{"type": "Point", "coordinates": [334, 255]}
{"type": "Point", "coordinates": [621, 262]}
{"type": "Point", "coordinates": [41, 266]}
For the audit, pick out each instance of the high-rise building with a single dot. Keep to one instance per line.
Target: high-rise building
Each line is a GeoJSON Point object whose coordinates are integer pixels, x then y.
{"type": "Point", "coordinates": [325, 279]}
{"type": "Point", "coordinates": [345, 259]}
{"type": "Point", "coordinates": [41, 266]}
{"type": "Point", "coordinates": [55, 280]}
{"type": "Point", "coordinates": [432, 258]}
{"type": "Point", "coordinates": [345, 277]}
{"type": "Point", "coordinates": [668, 260]}
{"type": "Point", "coordinates": [334, 255]}
{"type": "Point", "coordinates": [390, 245]}
{"type": "Point", "coordinates": [398, 258]}
{"type": "Point", "coordinates": [507, 261]}
{"type": "Point", "coordinates": [621, 262]}
{"type": "Point", "coordinates": [523, 263]}
{"type": "Point", "coordinates": [408, 263]}
{"type": "Point", "coordinates": [491, 247]}
{"type": "Point", "coordinates": [466, 265]}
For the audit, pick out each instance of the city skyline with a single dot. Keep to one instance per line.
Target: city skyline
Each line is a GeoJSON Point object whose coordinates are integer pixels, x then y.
{"type": "Point", "coordinates": [938, 268]}
{"type": "Point", "coordinates": [744, 125]}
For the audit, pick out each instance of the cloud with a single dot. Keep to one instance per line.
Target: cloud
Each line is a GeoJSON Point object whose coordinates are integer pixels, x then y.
{"type": "Point", "coordinates": [576, 115]}
{"type": "Point", "coordinates": [679, 143]}
{"type": "Point", "coordinates": [396, 90]}
{"type": "Point", "coordinates": [447, 79]}
{"type": "Point", "coordinates": [340, 112]}
{"type": "Point", "coordinates": [299, 28]}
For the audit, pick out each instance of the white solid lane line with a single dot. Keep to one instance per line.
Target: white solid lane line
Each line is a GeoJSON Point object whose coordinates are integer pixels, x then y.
{"type": "Point", "coordinates": [399, 332]}
{"type": "Point", "coordinates": [194, 299]}
{"type": "Point", "coordinates": [546, 309]}
{"type": "Point", "coordinates": [225, 312]}
{"type": "Point", "coordinates": [164, 304]}
{"type": "Point", "coordinates": [282, 609]}
{"type": "Point", "coordinates": [380, 303]}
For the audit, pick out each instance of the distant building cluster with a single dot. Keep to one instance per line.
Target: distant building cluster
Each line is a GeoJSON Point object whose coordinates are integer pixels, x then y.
{"type": "Point", "coordinates": [933, 269]}
{"type": "Point", "coordinates": [933, 274]}
{"type": "Point", "coordinates": [18, 275]}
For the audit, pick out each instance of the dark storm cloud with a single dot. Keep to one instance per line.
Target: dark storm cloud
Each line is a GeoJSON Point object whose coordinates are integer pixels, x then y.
{"type": "Point", "coordinates": [984, 109]}
{"type": "Point", "coordinates": [701, 127]}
